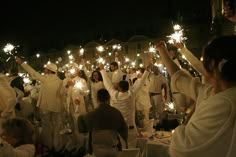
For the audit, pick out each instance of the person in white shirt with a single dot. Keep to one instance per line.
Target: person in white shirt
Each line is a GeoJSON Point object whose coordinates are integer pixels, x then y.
{"type": "Point", "coordinates": [131, 75]}
{"type": "Point", "coordinates": [76, 89]}
{"type": "Point", "coordinates": [158, 83]}
{"type": "Point", "coordinates": [7, 97]}
{"type": "Point", "coordinates": [123, 99]}
{"type": "Point", "coordinates": [117, 74]}
{"type": "Point", "coordinates": [142, 99]}
{"type": "Point", "coordinates": [96, 84]}
{"type": "Point", "coordinates": [50, 103]}
{"type": "Point", "coordinates": [212, 128]}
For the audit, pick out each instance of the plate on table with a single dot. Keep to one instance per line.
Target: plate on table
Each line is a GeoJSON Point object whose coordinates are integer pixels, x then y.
{"type": "Point", "coordinates": [162, 134]}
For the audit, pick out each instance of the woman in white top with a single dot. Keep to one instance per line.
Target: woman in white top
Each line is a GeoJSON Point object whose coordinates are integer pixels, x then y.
{"type": "Point", "coordinates": [212, 128]}
{"type": "Point", "coordinates": [96, 85]}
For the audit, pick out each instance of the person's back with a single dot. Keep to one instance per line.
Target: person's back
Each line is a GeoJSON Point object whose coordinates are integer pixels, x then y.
{"type": "Point", "coordinates": [106, 124]}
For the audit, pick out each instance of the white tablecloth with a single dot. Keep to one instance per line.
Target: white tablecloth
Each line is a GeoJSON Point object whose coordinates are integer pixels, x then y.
{"type": "Point", "coordinates": [155, 147]}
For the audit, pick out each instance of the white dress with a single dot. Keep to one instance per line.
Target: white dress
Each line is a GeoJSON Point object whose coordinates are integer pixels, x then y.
{"type": "Point", "coordinates": [95, 87]}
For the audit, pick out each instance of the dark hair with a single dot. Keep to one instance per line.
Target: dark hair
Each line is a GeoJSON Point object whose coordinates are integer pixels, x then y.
{"type": "Point", "coordinates": [115, 64]}
{"type": "Point", "coordinates": [231, 4]}
{"type": "Point", "coordinates": [134, 80]}
{"type": "Point", "coordinates": [219, 49]}
{"type": "Point", "coordinates": [141, 70]}
{"type": "Point", "coordinates": [124, 85]}
{"type": "Point", "coordinates": [103, 96]}
{"type": "Point", "coordinates": [82, 75]}
{"type": "Point", "coordinates": [19, 128]}
{"type": "Point", "coordinates": [99, 76]}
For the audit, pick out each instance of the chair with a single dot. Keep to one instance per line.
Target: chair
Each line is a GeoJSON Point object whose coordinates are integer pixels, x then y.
{"type": "Point", "coordinates": [104, 143]}
{"type": "Point", "coordinates": [131, 152]}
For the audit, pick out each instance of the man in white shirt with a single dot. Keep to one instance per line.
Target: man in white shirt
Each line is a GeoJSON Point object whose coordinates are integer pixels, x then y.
{"type": "Point", "coordinates": [123, 99]}
{"type": "Point", "coordinates": [49, 102]}
{"type": "Point", "coordinates": [117, 74]}
{"type": "Point", "coordinates": [157, 83]}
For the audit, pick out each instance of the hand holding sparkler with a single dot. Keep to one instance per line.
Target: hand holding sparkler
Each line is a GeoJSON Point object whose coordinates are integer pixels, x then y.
{"type": "Point", "coordinates": [161, 46]}
{"type": "Point", "coordinates": [178, 45]}
{"type": "Point", "coordinates": [18, 60]}
{"type": "Point", "coordinates": [10, 51]}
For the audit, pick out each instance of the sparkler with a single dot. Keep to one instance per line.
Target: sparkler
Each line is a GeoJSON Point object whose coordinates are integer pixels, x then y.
{"type": "Point", "coordinates": [152, 49]}
{"type": "Point", "coordinates": [72, 71]}
{"type": "Point", "coordinates": [100, 48]}
{"type": "Point", "coordinates": [81, 52]}
{"type": "Point", "coordinates": [116, 46]}
{"type": "Point", "coordinates": [8, 51]}
{"type": "Point", "coordinates": [177, 36]}
{"type": "Point", "coordinates": [78, 84]}
{"type": "Point", "coordinates": [100, 60]}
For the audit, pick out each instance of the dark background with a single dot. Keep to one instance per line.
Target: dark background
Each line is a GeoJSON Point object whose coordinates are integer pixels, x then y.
{"type": "Point", "coordinates": [43, 25]}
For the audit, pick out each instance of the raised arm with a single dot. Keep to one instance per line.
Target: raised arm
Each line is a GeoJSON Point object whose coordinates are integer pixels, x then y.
{"type": "Point", "coordinates": [107, 82]}
{"type": "Point", "coordinates": [169, 63]}
{"type": "Point", "coordinates": [139, 84]}
{"type": "Point", "coordinates": [86, 71]}
{"type": "Point", "coordinates": [30, 70]}
{"type": "Point", "coordinates": [194, 61]}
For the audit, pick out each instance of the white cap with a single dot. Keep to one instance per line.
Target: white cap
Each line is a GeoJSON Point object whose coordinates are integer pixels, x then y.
{"type": "Point", "coordinates": [52, 67]}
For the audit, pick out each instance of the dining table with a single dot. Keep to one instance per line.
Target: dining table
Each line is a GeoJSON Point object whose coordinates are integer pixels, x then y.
{"type": "Point", "coordinates": [155, 144]}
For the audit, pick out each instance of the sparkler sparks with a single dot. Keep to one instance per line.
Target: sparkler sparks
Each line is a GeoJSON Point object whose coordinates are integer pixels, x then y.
{"type": "Point", "coordinates": [100, 48]}
{"type": "Point", "coordinates": [100, 60]}
{"type": "Point", "coordinates": [8, 51]}
{"type": "Point", "coordinates": [81, 52]}
{"type": "Point", "coordinates": [177, 36]}
{"type": "Point", "coordinates": [78, 84]}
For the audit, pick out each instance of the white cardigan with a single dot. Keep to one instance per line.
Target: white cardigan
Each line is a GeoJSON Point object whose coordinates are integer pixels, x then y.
{"type": "Point", "coordinates": [209, 132]}
{"type": "Point", "coordinates": [50, 93]}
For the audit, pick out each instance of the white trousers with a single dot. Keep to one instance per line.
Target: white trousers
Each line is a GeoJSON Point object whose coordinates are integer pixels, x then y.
{"type": "Point", "coordinates": [50, 135]}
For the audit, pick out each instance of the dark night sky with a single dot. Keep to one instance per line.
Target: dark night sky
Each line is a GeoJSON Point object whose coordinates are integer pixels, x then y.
{"type": "Point", "coordinates": [41, 25]}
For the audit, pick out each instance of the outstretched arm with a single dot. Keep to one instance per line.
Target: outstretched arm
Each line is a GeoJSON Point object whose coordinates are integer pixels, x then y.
{"type": "Point", "coordinates": [169, 63]}
{"type": "Point", "coordinates": [194, 61]}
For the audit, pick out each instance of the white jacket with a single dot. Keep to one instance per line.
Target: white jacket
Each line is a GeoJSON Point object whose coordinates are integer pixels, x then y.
{"type": "Point", "coordinates": [49, 98]}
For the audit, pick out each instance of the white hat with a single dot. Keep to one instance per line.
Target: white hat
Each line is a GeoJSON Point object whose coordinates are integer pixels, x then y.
{"type": "Point", "coordinates": [52, 67]}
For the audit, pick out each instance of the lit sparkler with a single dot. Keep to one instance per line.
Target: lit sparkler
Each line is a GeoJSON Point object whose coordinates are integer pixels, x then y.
{"type": "Point", "coordinates": [81, 52]}
{"type": "Point", "coordinates": [100, 60]}
{"type": "Point", "coordinates": [72, 71]}
{"type": "Point", "coordinates": [177, 36]}
{"type": "Point", "coordinates": [152, 49]}
{"type": "Point", "coordinates": [78, 85]}
{"type": "Point", "coordinates": [8, 51]}
{"type": "Point", "coordinates": [100, 48]}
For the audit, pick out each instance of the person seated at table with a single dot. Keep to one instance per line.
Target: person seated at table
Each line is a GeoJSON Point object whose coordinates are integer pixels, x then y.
{"type": "Point", "coordinates": [17, 138]}
{"type": "Point", "coordinates": [106, 124]}
{"type": "Point", "coordinates": [211, 129]}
